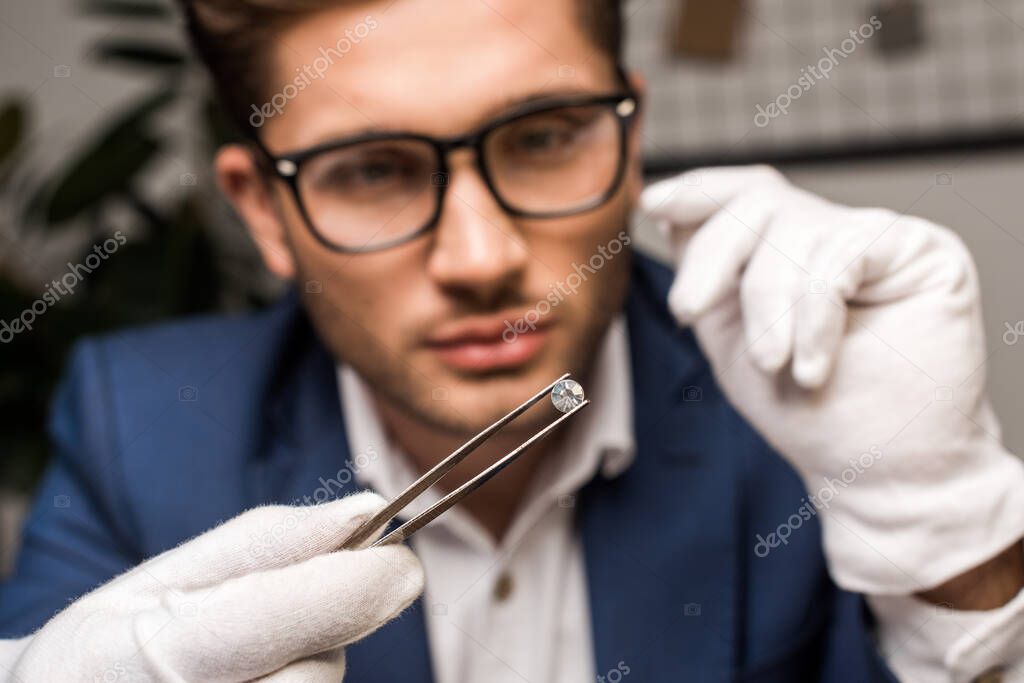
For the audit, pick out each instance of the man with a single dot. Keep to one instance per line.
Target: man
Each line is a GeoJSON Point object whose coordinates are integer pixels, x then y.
{"type": "Point", "coordinates": [447, 185]}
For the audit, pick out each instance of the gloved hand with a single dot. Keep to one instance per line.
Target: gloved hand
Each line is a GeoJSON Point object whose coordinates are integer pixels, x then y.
{"type": "Point", "coordinates": [263, 596]}
{"type": "Point", "coordinates": [852, 340]}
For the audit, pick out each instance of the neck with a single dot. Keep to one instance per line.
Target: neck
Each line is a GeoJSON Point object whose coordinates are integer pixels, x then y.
{"type": "Point", "coordinates": [493, 505]}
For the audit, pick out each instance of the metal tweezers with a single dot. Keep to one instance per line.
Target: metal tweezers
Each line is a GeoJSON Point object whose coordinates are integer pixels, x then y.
{"type": "Point", "coordinates": [392, 509]}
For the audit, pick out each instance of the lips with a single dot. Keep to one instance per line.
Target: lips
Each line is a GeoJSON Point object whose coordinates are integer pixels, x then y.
{"type": "Point", "coordinates": [485, 343]}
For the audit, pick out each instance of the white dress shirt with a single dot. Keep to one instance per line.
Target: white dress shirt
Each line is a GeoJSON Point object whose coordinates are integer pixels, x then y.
{"type": "Point", "coordinates": [517, 610]}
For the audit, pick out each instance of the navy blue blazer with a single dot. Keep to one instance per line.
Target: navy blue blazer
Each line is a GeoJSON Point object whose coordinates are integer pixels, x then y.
{"type": "Point", "coordinates": [164, 432]}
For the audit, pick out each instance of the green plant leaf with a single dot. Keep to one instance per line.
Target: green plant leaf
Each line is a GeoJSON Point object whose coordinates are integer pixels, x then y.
{"type": "Point", "coordinates": [107, 165]}
{"type": "Point", "coordinates": [12, 127]}
{"type": "Point", "coordinates": [101, 173]}
{"type": "Point", "coordinates": [141, 55]}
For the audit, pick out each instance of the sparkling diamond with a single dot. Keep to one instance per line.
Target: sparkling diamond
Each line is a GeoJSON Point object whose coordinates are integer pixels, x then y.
{"type": "Point", "coordinates": [566, 395]}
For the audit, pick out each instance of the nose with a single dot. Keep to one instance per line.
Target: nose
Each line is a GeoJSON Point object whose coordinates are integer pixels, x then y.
{"type": "Point", "coordinates": [478, 249]}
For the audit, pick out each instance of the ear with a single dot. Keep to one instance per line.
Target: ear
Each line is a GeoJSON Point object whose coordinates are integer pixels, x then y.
{"type": "Point", "coordinates": [635, 169]}
{"type": "Point", "coordinates": [245, 187]}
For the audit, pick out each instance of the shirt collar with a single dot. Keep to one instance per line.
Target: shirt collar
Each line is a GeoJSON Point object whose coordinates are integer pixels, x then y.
{"type": "Point", "coordinates": [605, 429]}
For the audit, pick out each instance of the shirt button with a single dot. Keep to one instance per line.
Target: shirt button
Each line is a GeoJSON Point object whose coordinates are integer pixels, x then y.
{"type": "Point", "coordinates": [503, 588]}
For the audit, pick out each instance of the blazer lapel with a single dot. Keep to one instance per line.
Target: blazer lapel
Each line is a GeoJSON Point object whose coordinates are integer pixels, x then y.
{"type": "Point", "coordinates": [661, 540]}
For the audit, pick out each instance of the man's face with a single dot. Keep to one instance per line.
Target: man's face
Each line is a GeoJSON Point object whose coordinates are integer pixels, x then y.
{"type": "Point", "coordinates": [459, 325]}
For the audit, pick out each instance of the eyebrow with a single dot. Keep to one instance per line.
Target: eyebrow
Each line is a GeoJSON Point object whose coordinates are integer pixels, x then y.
{"type": "Point", "coordinates": [513, 105]}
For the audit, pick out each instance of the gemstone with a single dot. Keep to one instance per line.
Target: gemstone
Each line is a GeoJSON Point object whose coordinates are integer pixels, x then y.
{"type": "Point", "coordinates": [567, 394]}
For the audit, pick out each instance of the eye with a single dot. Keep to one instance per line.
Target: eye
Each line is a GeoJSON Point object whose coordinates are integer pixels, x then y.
{"type": "Point", "coordinates": [549, 136]}
{"type": "Point", "coordinates": [359, 171]}
{"type": "Point", "coordinates": [372, 171]}
{"type": "Point", "coordinates": [376, 171]}
{"type": "Point", "coordinates": [543, 139]}
{"type": "Point", "coordinates": [540, 137]}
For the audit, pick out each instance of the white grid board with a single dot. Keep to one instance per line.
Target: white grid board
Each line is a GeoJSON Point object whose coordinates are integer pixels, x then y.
{"type": "Point", "coordinates": [967, 78]}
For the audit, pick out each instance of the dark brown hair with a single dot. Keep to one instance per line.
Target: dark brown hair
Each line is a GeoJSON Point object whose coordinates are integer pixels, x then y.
{"type": "Point", "coordinates": [232, 38]}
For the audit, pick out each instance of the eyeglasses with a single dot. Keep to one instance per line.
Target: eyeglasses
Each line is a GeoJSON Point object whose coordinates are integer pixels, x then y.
{"type": "Point", "coordinates": [379, 190]}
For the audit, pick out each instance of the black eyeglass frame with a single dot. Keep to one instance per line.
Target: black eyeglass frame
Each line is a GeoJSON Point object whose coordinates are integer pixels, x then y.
{"type": "Point", "coordinates": [287, 167]}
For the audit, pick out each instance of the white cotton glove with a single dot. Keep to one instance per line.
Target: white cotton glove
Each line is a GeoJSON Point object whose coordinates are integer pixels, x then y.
{"type": "Point", "coordinates": [264, 596]}
{"type": "Point", "coordinates": [852, 340]}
